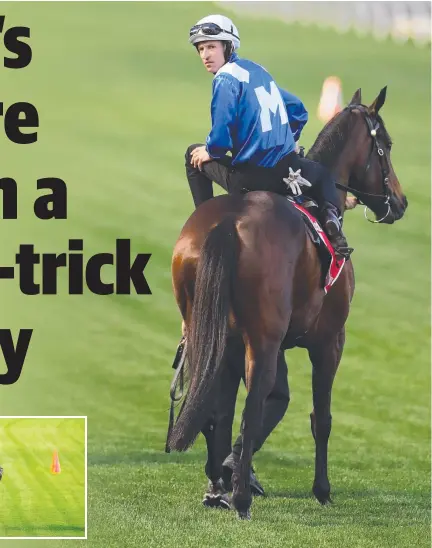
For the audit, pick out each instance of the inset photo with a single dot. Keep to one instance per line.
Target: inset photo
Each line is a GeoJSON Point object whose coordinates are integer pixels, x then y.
{"type": "Point", "coordinates": [43, 477]}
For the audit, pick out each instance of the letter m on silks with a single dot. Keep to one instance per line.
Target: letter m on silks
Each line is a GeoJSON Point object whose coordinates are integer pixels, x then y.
{"type": "Point", "coordinates": [270, 102]}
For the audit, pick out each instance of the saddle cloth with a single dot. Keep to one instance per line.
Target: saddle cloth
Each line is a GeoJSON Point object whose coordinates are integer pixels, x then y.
{"type": "Point", "coordinates": [332, 265]}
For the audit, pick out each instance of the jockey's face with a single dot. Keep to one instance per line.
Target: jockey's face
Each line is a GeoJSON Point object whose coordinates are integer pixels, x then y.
{"type": "Point", "coordinates": [212, 55]}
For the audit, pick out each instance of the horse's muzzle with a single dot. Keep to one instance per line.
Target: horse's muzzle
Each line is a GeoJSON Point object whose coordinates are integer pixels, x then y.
{"type": "Point", "coordinates": [397, 210]}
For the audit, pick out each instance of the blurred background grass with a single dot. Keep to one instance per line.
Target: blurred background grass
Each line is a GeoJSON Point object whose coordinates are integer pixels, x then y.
{"type": "Point", "coordinates": [120, 95]}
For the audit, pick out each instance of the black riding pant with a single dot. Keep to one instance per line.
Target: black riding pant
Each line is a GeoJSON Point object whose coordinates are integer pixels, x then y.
{"type": "Point", "coordinates": [235, 179]}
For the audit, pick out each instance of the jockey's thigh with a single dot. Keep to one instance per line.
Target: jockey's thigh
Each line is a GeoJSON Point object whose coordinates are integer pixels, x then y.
{"type": "Point", "coordinates": [321, 179]}
{"type": "Point", "coordinates": [314, 172]}
{"type": "Point", "coordinates": [310, 170]}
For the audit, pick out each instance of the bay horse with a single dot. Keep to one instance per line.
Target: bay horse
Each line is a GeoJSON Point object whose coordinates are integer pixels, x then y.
{"type": "Point", "coordinates": [244, 269]}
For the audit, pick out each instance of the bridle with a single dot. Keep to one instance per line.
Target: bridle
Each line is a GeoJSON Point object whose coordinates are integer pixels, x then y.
{"type": "Point", "coordinates": [383, 164]}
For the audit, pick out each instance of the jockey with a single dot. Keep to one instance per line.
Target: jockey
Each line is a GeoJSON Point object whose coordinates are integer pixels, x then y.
{"type": "Point", "coordinates": [258, 124]}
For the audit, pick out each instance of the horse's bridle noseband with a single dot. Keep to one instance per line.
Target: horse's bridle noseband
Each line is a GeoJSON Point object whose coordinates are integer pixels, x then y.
{"type": "Point", "coordinates": [383, 164]}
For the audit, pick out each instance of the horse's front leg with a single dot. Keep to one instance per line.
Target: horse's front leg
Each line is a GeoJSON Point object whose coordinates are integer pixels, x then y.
{"type": "Point", "coordinates": [325, 358]}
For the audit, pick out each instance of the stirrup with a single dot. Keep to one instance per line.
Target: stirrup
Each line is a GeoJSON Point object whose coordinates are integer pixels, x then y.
{"type": "Point", "coordinates": [344, 252]}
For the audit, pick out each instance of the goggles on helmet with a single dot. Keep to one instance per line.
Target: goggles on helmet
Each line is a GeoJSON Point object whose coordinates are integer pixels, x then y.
{"type": "Point", "coordinates": [209, 29]}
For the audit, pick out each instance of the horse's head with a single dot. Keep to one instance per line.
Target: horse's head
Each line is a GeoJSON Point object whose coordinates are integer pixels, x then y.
{"type": "Point", "coordinates": [372, 173]}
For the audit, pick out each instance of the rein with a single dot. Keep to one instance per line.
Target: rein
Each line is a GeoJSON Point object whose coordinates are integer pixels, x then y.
{"type": "Point", "coordinates": [178, 365]}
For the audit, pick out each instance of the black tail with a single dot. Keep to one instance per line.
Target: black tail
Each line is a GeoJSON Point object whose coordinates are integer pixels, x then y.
{"type": "Point", "coordinates": [207, 333]}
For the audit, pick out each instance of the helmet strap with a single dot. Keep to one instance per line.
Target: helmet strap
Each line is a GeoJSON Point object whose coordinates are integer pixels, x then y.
{"type": "Point", "coordinates": [228, 50]}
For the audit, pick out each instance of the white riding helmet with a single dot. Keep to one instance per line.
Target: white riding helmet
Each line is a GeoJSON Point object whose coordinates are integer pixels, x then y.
{"type": "Point", "coordinates": [215, 27]}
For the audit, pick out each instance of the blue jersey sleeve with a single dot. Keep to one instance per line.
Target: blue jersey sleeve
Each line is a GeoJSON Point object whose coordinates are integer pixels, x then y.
{"type": "Point", "coordinates": [297, 113]}
{"type": "Point", "coordinates": [223, 114]}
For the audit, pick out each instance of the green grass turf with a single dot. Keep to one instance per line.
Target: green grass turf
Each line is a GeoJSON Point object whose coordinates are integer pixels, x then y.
{"type": "Point", "coordinates": [35, 502]}
{"type": "Point", "coordinates": [121, 94]}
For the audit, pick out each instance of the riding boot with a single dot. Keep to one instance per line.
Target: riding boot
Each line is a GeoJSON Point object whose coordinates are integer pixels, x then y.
{"type": "Point", "coordinates": [332, 224]}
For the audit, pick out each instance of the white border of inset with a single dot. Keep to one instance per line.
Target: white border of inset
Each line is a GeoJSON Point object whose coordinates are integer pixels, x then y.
{"type": "Point", "coordinates": [85, 472]}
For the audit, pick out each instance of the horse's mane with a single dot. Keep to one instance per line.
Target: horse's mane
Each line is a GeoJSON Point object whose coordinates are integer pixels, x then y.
{"type": "Point", "coordinates": [332, 138]}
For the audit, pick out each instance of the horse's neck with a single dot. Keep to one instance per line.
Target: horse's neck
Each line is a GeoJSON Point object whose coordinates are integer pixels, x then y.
{"type": "Point", "coordinates": [341, 164]}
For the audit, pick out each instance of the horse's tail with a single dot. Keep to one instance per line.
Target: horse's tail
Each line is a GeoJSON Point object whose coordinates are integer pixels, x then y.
{"type": "Point", "coordinates": [208, 329]}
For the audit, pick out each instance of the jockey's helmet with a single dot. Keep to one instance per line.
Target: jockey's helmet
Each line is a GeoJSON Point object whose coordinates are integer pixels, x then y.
{"type": "Point", "coordinates": [215, 27]}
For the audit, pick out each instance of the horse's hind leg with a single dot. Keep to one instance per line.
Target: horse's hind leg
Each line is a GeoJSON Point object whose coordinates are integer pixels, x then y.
{"type": "Point", "coordinates": [275, 407]}
{"type": "Point", "coordinates": [260, 377]}
{"type": "Point", "coordinates": [218, 435]}
{"type": "Point", "coordinates": [274, 410]}
{"type": "Point", "coordinates": [216, 494]}
{"type": "Point", "coordinates": [325, 359]}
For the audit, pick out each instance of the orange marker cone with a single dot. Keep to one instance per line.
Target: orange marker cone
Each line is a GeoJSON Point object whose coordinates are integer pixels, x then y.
{"type": "Point", "coordinates": [55, 464]}
{"type": "Point", "coordinates": [331, 99]}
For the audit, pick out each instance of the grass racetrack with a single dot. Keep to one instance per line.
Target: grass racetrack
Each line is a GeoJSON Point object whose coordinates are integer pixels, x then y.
{"type": "Point", "coordinates": [120, 95]}
{"type": "Point", "coordinates": [35, 502]}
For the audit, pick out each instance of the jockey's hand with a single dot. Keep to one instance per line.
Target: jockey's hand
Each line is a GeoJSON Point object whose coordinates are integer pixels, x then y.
{"type": "Point", "coordinates": [351, 202]}
{"type": "Point", "coordinates": [199, 156]}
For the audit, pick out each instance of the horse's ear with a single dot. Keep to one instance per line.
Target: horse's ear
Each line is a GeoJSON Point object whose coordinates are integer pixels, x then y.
{"type": "Point", "coordinates": [356, 98]}
{"type": "Point", "coordinates": [379, 101]}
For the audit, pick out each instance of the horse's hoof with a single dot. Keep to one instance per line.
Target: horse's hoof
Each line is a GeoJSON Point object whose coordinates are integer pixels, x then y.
{"type": "Point", "coordinates": [228, 466]}
{"type": "Point", "coordinates": [325, 501]}
{"type": "Point", "coordinates": [255, 486]}
{"type": "Point", "coordinates": [322, 495]}
{"type": "Point", "coordinates": [244, 514]}
{"type": "Point", "coordinates": [208, 501]}
{"type": "Point", "coordinates": [217, 501]}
